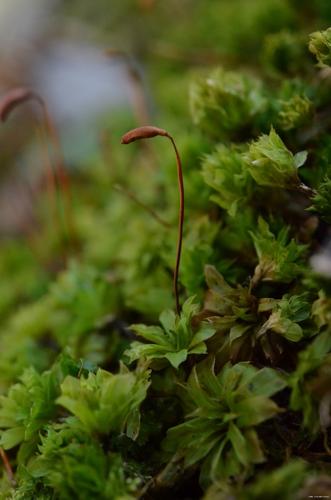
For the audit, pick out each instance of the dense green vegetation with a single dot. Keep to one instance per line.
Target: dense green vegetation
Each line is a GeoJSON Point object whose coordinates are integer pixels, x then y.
{"type": "Point", "coordinates": [106, 392]}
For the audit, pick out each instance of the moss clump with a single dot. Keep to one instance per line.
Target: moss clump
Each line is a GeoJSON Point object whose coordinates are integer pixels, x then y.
{"type": "Point", "coordinates": [106, 391]}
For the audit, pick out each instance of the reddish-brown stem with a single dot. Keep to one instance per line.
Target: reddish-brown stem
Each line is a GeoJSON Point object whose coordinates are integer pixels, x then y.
{"type": "Point", "coordinates": [61, 175]}
{"type": "Point", "coordinates": [50, 175]}
{"type": "Point", "coordinates": [148, 132]}
{"type": "Point", "coordinates": [180, 221]}
{"type": "Point", "coordinates": [21, 95]}
{"type": "Point", "coordinates": [7, 466]}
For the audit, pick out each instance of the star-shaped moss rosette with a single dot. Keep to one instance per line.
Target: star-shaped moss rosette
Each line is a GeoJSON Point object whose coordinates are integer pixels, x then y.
{"type": "Point", "coordinates": [247, 324]}
{"type": "Point", "coordinates": [226, 102]}
{"type": "Point", "coordinates": [223, 412]}
{"type": "Point", "coordinates": [272, 164]}
{"type": "Point", "coordinates": [320, 46]}
{"type": "Point", "coordinates": [71, 462]}
{"type": "Point", "coordinates": [30, 404]}
{"type": "Point", "coordinates": [294, 112]}
{"type": "Point", "coordinates": [284, 53]}
{"type": "Point", "coordinates": [175, 340]}
{"type": "Point", "coordinates": [280, 259]}
{"type": "Point", "coordinates": [225, 171]}
{"type": "Point", "coordinates": [105, 402]}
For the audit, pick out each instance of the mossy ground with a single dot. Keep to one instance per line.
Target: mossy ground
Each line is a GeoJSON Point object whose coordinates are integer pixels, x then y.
{"type": "Point", "coordinates": [106, 391]}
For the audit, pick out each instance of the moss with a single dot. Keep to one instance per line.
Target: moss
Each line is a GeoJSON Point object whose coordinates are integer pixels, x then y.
{"type": "Point", "coordinates": [107, 392]}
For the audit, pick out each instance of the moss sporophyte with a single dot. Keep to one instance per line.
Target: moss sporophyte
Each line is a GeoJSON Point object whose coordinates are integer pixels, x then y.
{"type": "Point", "coordinates": [56, 175]}
{"type": "Point", "coordinates": [148, 132]}
{"type": "Point", "coordinates": [107, 389]}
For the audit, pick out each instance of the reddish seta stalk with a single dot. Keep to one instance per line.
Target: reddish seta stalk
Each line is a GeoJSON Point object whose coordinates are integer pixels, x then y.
{"type": "Point", "coordinates": [148, 132]}
{"type": "Point", "coordinates": [58, 175]}
{"type": "Point", "coordinates": [7, 466]}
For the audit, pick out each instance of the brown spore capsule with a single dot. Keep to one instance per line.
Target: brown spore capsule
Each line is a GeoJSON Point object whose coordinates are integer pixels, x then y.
{"type": "Point", "coordinates": [146, 132]}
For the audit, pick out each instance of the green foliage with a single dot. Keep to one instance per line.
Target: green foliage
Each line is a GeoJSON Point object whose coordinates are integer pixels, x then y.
{"type": "Point", "coordinates": [284, 483]}
{"type": "Point", "coordinates": [279, 258]}
{"type": "Point", "coordinates": [226, 102]}
{"type": "Point", "coordinates": [104, 402]}
{"type": "Point", "coordinates": [225, 171]}
{"type": "Point", "coordinates": [81, 296]}
{"type": "Point", "coordinates": [30, 404]}
{"type": "Point", "coordinates": [294, 113]}
{"type": "Point", "coordinates": [321, 201]}
{"type": "Point", "coordinates": [284, 53]}
{"type": "Point", "coordinates": [246, 323]}
{"type": "Point", "coordinates": [321, 310]}
{"type": "Point", "coordinates": [286, 315]}
{"type": "Point", "coordinates": [272, 164]}
{"type": "Point", "coordinates": [320, 46]}
{"type": "Point", "coordinates": [71, 464]}
{"type": "Point", "coordinates": [223, 410]}
{"type": "Point", "coordinates": [66, 317]}
{"type": "Point", "coordinates": [176, 340]}
{"type": "Point", "coordinates": [199, 248]}
{"type": "Point", "coordinates": [310, 360]}
{"type": "Point", "coordinates": [27, 279]}
{"type": "Point", "coordinates": [139, 257]}
{"type": "Point", "coordinates": [235, 389]}
{"type": "Point", "coordinates": [225, 299]}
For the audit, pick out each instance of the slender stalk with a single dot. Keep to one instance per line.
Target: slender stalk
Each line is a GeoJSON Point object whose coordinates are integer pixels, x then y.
{"type": "Point", "coordinates": [7, 466]}
{"type": "Point", "coordinates": [50, 176]}
{"type": "Point", "coordinates": [148, 132]}
{"type": "Point", "coordinates": [61, 173]}
{"type": "Point", "coordinates": [56, 176]}
{"type": "Point", "coordinates": [180, 221]}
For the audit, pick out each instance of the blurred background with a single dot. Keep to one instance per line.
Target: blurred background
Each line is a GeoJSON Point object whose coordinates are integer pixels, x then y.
{"type": "Point", "coordinates": [110, 62]}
